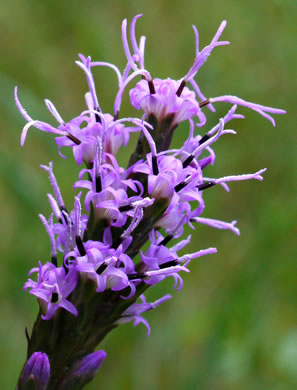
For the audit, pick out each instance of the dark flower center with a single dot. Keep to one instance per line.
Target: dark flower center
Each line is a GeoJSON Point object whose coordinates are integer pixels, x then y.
{"type": "Point", "coordinates": [55, 297]}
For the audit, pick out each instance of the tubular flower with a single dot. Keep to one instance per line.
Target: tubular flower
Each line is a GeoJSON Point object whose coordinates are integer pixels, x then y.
{"type": "Point", "coordinates": [52, 289]}
{"type": "Point", "coordinates": [125, 232]}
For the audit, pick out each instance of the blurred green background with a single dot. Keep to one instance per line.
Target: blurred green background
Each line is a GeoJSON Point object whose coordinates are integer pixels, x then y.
{"type": "Point", "coordinates": [233, 325]}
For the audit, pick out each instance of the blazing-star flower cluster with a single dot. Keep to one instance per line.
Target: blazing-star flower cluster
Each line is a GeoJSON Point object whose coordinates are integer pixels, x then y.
{"type": "Point", "coordinates": [151, 199]}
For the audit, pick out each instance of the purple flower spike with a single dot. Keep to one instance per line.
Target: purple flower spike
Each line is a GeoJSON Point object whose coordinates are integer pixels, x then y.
{"type": "Point", "coordinates": [125, 232]}
{"type": "Point", "coordinates": [36, 371]}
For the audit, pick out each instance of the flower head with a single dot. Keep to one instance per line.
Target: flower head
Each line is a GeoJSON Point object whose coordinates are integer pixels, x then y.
{"type": "Point", "coordinates": [149, 201]}
{"type": "Point", "coordinates": [165, 103]}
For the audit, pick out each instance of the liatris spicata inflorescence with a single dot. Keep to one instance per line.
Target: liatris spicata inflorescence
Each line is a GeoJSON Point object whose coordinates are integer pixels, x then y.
{"type": "Point", "coordinates": [98, 270]}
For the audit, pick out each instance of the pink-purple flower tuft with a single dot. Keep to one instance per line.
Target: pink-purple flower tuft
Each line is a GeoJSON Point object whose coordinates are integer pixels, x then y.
{"type": "Point", "coordinates": [125, 231]}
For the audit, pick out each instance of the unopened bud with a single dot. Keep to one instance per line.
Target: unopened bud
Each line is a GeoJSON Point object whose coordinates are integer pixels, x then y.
{"type": "Point", "coordinates": [36, 373]}
{"type": "Point", "coordinates": [84, 371]}
{"type": "Point", "coordinates": [89, 365]}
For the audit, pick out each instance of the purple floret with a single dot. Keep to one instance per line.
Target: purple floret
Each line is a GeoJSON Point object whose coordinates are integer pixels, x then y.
{"type": "Point", "coordinates": [52, 289]}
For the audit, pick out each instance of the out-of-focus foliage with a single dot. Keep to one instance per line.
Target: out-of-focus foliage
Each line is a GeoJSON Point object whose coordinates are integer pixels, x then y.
{"type": "Point", "coordinates": [233, 324]}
